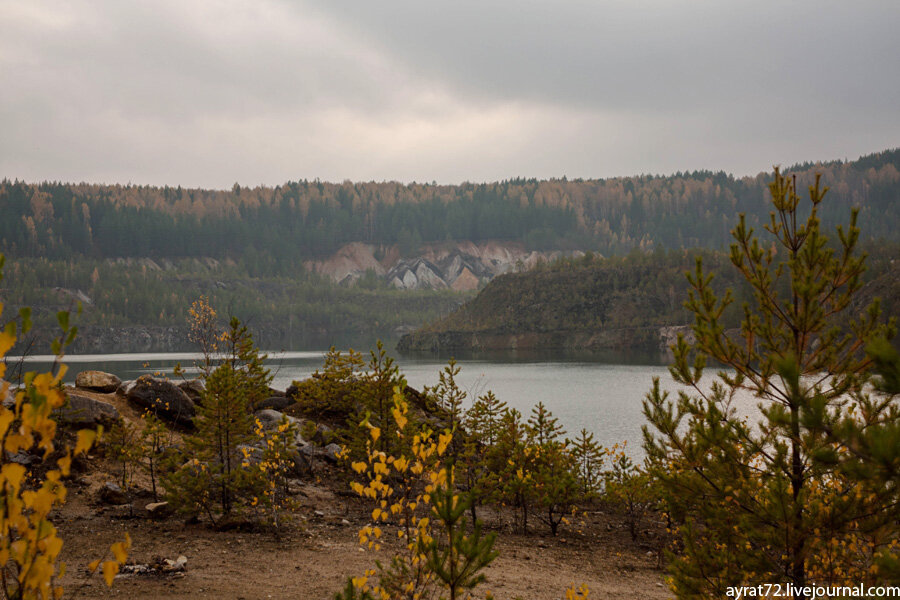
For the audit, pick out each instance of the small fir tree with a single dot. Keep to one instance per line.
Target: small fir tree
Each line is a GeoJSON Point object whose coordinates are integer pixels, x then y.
{"type": "Point", "coordinates": [213, 480]}
{"type": "Point", "coordinates": [543, 427]}
{"type": "Point", "coordinates": [588, 457]}
{"type": "Point", "coordinates": [483, 418]}
{"type": "Point", "coordinates": [755, 503]}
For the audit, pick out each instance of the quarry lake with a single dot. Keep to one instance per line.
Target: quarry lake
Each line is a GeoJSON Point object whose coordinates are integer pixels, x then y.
{"type": "Point", "coordinates": [598, 394]}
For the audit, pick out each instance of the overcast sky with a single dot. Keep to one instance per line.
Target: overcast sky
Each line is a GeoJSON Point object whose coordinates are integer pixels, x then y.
{"type": "Point", "coordinates": [208, 93]}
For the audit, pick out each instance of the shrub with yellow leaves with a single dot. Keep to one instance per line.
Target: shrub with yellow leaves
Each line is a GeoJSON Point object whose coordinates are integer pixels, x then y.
{"type": "Point", "coordinates": [415, 496]}
{"type": "Point", "coordinates": [276, 462]}
{"type": "Point", "coordinates": [29, 542]}
{"type": "Point", "coordinates": [582, 592]}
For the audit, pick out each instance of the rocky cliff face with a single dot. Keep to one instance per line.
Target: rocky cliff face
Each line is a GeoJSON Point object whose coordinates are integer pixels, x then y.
{"type": "Point", "coordinates": [461, 266]}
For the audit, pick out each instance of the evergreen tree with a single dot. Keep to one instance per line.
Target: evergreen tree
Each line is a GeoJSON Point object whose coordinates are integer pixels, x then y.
{"type": "Point", "coordinates": [510, 463]}
{"type": "Point", "coordinates": [214, 479]}
{"type": "Point", "coordinates": [543, 427]}
{"type": "Point", "coordinates": [482, 424]}
{"type": "Point", "coordinates": [376, 396]}
{"type": "Point", "coordinates": [556, 488]}
{"type": "Point", "coordinates": [753, 503]}
{"type": "Point", "coordinates": [458, 557]}
{"type": "Point", "coordinates": [448, 395]}
{"type": "Point", "coordinates": [588, 458]}
{"type": "Point", "coordinates": [483, 418]}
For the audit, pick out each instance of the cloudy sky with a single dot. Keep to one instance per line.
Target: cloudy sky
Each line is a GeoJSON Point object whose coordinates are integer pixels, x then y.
{"type": "Point", "coordinates": [208, 93]}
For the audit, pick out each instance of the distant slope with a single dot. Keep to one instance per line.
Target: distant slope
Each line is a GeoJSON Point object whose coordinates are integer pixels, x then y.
{"type": "Point", "coordinates": [461, 266]}
{"type": "Point", "coordinates": [139, 305]}
{"type": "Point", "coordinates": [590, 303]}
{"type": "Point", "coordinates": [598, 304]}
{"type": "Point", "coordinates": [274, 230]}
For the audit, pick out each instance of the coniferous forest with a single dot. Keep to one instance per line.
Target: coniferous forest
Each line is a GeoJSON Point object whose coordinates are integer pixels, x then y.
{"type": "Point", "coordinates": [272, 229]}
{"type": "Point", "coordinates": [248, 249]}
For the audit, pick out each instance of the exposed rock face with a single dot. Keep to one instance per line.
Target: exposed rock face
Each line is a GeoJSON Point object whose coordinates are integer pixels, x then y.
{"type": "Point", "coordinates": [466, 281]}
{"type": "Point", "coordinates": [97, 381]}
{"type": "Point", "coordinates": [164, 398]}
{"type": "Point", "coordinates": [462, 266]}
{"type": "Point", "coordinates": [81, 410]}
{"type": "Point", "coordinates": [668, 336]}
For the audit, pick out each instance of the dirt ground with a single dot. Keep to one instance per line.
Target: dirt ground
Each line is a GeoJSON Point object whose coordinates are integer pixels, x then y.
{"type": "Point", "coordinates": [318, 549]}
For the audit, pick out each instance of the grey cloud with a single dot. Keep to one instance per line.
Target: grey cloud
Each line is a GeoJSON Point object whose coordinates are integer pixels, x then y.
{"type": "Point", "coordinates": [259, 91]}
{"type": "Point", "coordinates": [654, 55]}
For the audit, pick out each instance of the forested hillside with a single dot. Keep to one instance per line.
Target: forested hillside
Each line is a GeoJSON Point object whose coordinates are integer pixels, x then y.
{"type": "Point", "coordinates": [137, 256]}
{"type": "Point", "coordinates": [271, 230]}
{"type": "Point", "coordinates": [596, 303]}
{"type": "Point", "coordinates": [139, 305]}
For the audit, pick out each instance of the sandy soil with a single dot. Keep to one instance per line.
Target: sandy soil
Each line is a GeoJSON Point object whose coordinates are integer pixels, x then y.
{"type": "Point", "coordinates": [317, 553]}
{"type": "Point", "coordinates": [318, 549]}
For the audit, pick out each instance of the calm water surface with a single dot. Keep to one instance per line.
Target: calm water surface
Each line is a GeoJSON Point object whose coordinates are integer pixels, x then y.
{"type": "Point", "coordinates": [602, 397]}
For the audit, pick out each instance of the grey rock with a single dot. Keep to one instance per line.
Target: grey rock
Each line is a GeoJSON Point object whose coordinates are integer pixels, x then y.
{"type": "Point", "coordinates": [164, 398]}
{"type": "Point", "coordinates": [271, 418]}
{"type": "Point", "coordinates": [331, 451]}
{"type": "Point", "coordinates": [23, 458]}
{"type": "Point", "coordinates": [97, 381]}
{"type": "Point", "coordinates": [328, 454]}
{"type": "Point", "coordinates": [111, 493]}
{"type": "Point", "coordinates": [193, 388]}
{"type": "Point", "coordinates": [159, 510]}
{"type": "Point", "coordinates": [80, 410]}
{"type": "Point", "coordinates": [275, 403]}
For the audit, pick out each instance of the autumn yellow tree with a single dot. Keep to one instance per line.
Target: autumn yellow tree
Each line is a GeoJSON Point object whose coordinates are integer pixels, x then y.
{"type": "Point", "coordinates": [29, 542]}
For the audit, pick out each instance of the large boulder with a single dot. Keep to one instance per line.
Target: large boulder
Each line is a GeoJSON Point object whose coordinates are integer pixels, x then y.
{"type": "Point", "coordinates": [270, 419]}
{"type": "Point", "coordinates": [329, 453]}
{"type": "Point", "coordinates": [81, 410]}
{"type": "Point", "coordinates": [193, 388]}
{"type": "Point", "coordinates": [163, 398]}
{"type": "Point", "coordinates": [275, 403]}
{"type": "Point", "coordinates": [97, 381]}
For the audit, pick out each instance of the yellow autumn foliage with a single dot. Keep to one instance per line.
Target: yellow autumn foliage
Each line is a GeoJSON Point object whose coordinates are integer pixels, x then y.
{"type": "Point", "coordinates": [29, 542]}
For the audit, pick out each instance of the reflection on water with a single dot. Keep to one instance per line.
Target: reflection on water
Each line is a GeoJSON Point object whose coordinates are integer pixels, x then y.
{"type": "Point", "coordinates": [602, 396]}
